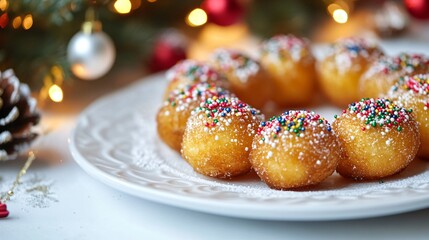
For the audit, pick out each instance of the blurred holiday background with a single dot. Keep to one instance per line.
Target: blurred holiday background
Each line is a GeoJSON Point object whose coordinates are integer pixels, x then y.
{"type": "Point", "coordinates": [55, 44]}
{"type": "Point", "coordinates": [71, 52]}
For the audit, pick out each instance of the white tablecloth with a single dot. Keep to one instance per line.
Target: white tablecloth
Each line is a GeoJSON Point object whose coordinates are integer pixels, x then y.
{"type": "Point", "coordinates": [83, 208]}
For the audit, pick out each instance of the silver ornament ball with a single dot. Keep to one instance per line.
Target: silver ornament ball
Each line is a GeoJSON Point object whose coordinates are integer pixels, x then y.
{"type": "Point", "coordinates": [91, 55]}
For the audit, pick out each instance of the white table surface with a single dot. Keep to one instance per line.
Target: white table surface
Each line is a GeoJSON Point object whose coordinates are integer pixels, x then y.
{"type": "Point", "coordinates": [80, 207]}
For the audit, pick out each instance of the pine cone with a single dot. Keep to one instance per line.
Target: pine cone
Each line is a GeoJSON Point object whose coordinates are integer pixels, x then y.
{"type": "Point", "coordinates": [18, 115]}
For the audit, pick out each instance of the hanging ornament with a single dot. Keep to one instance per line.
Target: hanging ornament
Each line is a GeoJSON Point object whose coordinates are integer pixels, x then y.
{"type": "Point", "coordinates": [19, 115]}
{"type": "Point", "coordinates": [91, 52]}
{"type": "Point", "coordinates": [390, 19]}
{"type": "Point", "coordinates": [418, 8]}
{"type": "Point", "coordinates": [3, 210]}
{"type": "Point", "coordinates": [223, 12]}
{"type": "Point", "coordinates": [4, 20]}
{"type": "Point", "coordinates": [169, 48]}
{"type": "Point", "coordinates": [6, 197]}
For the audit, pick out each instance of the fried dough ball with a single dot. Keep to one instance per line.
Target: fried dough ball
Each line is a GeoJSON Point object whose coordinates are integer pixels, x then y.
{"type": "Point", "coordinates": [188, 72]}
{"type": "Point", "coordinates": [218, 137]}
{"type": "Point", "coordinates": [172, 116]}
{"type": "Point", "coordinates": [340, 71]}
{"type": "Point", "coordinates": [289, 61]}
{"type": "Point", "coordinates": [295, 149]}
{"type": "Point", "coordinates": [378, 139]}
{"type": "Point", "coordinates": [385, 72]}
{"type": "Point", "coordinates": [413, 92]}
{"type": "Point", "coordinates": [248, 80]}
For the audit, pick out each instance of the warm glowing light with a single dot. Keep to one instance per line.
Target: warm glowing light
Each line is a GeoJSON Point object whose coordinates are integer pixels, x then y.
{"type": "Point", "coordinates": [58, 74]}
{"type": "Point", "coordinates": [28, 22]}
{"type": "Point", "coordinates": [332, 7]}
{"type": "Point", "coordinates": [135, 4]}
{"type": "Point", "coordinates": [56, 93]}
{"type": "Point", "coordinates": [16, 23]}
{"type": "Point", "coordinates": [340, 16]}
{"type": "Point", "coordinates": [4, 20]}
{"type": "Point", "coordinates": [3, 5]}
{"type": "Point", "coordinates": [196, 17]}
{"type": "Point", "coordinates": [78, 69]}
{"type": "Point", "coordinates": [151, 1]}
{"type": "Point", "coordinates": [122, 6]}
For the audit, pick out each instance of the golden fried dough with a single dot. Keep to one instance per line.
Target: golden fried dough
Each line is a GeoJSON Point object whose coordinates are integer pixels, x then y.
{"type": "Point", "coordinates": [295, 149]}
{"type": "Point", "coordinates": [413, 92]}
{"type": "Point", "coordinates": [385, 72]}
{"type": "Point", "coordinates": [248, 79]}
{"type": "Point", "coordinates": [288, 59]}
{"type": "Point", "coordinates": [218, 137]}
{"type": "Point", "coordinates": [378, 139]}
{"type": "Point", "coordinates": [189, 72]}
{"type": "Point", "coordinates": [172, 116]}
{"type": "Point", "coordinates": [340, 71]}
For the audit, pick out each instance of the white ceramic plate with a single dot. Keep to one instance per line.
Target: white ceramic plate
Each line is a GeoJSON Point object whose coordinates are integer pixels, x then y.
{"type": "Point", "coordinates": [115, 141]}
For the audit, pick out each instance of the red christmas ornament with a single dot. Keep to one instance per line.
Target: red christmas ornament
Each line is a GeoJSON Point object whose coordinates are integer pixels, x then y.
{"type": "Point", "coordinates": [4, 20]}
{"type": "Point", "coordinates": [418, 8]}
{"type": "Point", "coordinates": [223, 12]}
{"type": "Point", "coordinates": [167, 51]}
{"type": "Point", "coordinates": [3, 210]}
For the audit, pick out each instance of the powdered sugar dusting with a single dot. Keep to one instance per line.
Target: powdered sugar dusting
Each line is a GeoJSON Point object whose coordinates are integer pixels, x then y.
{"type": "Point", "coordinates": [378, 113]}
{"type": "Point", "coordinates": [154, 156]}
{"type": "Point", "coordinates": [280, 46]}
{"type": "Point", "coordinates": [236, 63]}
{"type": "Point", "coordinates": [403, 63]}
{"type": "Point", "coordinates": [411, 89]}
{"type": "Point", "coordinates": [413, 92]}
{"type": "Point", "coordinates": [182, 98]}
{"type": "Point", "coordinates": [251, 187]}
{"type": "Point", "coordinates": [219, 110]}
{"type": "Point", "coordinates": [292, 123]}
{"type": "Point", "coordinates": [418, 84]}
{"type": "Point", "coordinates": [193, 70]}
{"type": "Point", "coordinates": [34, 191]}
{"type": "Point", "coordinates": [163, 174]}
{"type": "Point", "coordinates": [347, 50]}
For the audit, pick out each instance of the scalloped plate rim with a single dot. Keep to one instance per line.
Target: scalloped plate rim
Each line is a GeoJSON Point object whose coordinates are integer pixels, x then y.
{"type": "Point", "coordinates": [366, 208]}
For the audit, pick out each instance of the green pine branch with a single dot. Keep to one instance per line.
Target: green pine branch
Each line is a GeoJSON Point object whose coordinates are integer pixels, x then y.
{"type": "Point", "coordinates": [32, 53]}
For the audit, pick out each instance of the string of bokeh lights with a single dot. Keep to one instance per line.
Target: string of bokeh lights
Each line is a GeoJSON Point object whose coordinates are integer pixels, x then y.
{"type": "Point", "coordinates": [197, 17]}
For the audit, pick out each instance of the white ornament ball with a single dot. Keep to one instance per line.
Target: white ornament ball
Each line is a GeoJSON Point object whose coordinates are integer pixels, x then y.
{"type": "Point", "coordinates": [91, 55]}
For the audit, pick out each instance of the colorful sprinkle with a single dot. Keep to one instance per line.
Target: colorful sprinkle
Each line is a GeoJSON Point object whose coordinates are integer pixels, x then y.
{"type": "Point", "coordinates": [294, 122]}
{"type": "Point", "coordinates": [418, 84]}
{"type": "Point", "coordinates": [407, 89]}
{"type": "Point", "coordinates": [181, 98]}
{"type": "Point", "coordinates": [280, 46]}
{"type": "Point", "coordinates": [193, 70]}
{"type": "Point", "coordinates": [239, 64]}
{"type": "Point", "coordinates": [407, 63]}
{"type": "Point", "coordinates": [219, 109]}
{"type": "Point", "coordinates": [344, 53]}
{"type": "Point", "coordinates": [354, 46]}
{"type": "Point", "coordinates": [378, 112]}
